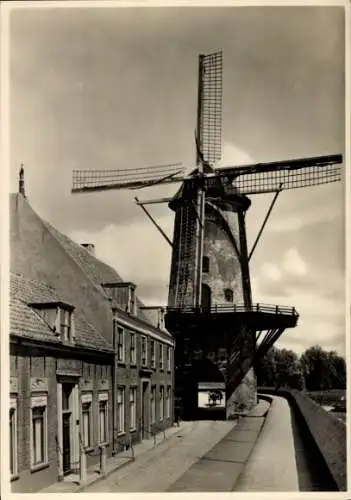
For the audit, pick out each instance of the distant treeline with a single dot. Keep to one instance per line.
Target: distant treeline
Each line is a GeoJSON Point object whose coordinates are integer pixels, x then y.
{"type": "Point", "coordinates": [315, 370]}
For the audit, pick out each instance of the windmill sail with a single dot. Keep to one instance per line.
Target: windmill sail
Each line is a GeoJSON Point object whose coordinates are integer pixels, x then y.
{"type": "Point", "coordinates": [102, 180]}
{"type": "Point", "coordinates": [209, 119]}
{"type": "Point", "coordinates": [289, 174]}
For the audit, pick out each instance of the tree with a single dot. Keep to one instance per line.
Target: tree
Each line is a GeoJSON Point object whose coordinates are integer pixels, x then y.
{"type": "Point", "coordinates": [288, 369]}
{"type": "Point", "coordinates": [280, 368]}
{"type": "Point", "coordinates": [323, 370]}
{"type": "Point", "coordinates": [316, 369]}
{"type": "Point", "coordinates": [337, 373]}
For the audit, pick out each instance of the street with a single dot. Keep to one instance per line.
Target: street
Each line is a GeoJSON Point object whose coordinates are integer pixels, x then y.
{"type": "Point", "coordinates": [160, 467]}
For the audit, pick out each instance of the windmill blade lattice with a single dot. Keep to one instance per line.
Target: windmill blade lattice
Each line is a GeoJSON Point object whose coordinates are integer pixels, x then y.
{"type": "Point", "coordinates": [289, 174]}
{"type": "Point", "coordinates": [209, 120]}
{"type": "Point", "coordinates": [102, 180]}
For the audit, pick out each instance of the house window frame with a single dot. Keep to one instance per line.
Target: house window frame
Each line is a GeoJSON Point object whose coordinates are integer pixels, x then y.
{"type": "Point", "coordinates": [153, 404]}
{"type": "Point", "coordinates": [121, 410]}
{"type": "Point", "coordinates": [153, 353]}
{"type": "Point", "coordinates": [161, 356]}
{"type": "Point", "coordinates": [144, 359]}
{"type": "Point", "coordinates": [103, 403]}
{"type": "Point", "coordinates": [87, 399]}
{"type": "Point", "coordinates": [39, 402]}
{"type": "Point", "coordinates": [13, 438]}
{"type": "Point", "coordinates": [161, 403]}
{"type": "Point", "coordinates": [132, 300]}
{"type": "Point", "coordinates": [132, 349]}
{"type": "Point", "coordinates": [168, 358]}
{"type": "Point", "coordinates": [66, 324]}
{"type": "Point", "coordinates": [121, 345]}
{"type": "Point", "coordinates": [132, 413]}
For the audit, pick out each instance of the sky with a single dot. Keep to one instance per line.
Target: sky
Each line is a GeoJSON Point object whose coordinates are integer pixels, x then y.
{"type": "Point", "coordinates": [116, 88]}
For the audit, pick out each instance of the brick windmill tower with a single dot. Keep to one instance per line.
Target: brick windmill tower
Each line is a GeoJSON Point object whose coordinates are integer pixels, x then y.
{"type": "Point", "coordinates": [220, 333]}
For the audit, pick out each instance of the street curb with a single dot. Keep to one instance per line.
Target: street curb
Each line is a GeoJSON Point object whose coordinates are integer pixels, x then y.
{"type": "Point", "coordinates": [264, 417]}
{"type": "Point", "coordinates": [99, 478]}
{"type": "Point", "coordinates": [81, 488]}
{"type": "Point", "coordinates": [221, 466]}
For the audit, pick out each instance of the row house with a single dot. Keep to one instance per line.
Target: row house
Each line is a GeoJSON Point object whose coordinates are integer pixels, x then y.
{"type": "Point", "coordinates": [60, 386]}
{"type": "Point", "coordinates": [91, 365]}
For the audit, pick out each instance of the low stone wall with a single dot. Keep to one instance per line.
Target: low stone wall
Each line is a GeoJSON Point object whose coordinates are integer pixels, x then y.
{"type": "Point", "coordinates": [326, 432]}
{"type": "Point", "coordinates": [244, 397]}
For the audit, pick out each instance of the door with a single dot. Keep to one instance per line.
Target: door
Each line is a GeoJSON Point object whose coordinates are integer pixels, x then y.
{"type": "Point", "coordinates": [205, 296]}
{"type": "Point", "coordinates": [144, 422]}
{"type": "Point", "coordinates": [66, 442]}
{"type": "Point", "coordinates": [67, 427]}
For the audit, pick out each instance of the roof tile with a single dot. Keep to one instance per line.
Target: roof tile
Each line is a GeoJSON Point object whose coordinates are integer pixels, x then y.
{"type": "Point", "coordinates": [26, 322]}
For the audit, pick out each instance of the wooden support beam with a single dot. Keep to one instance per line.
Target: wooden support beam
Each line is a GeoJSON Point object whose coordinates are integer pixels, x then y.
{"type": "Point", "coordinates": [154, 222]}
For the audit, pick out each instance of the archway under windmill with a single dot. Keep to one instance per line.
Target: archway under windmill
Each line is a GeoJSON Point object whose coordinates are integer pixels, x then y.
{"type": "Point", "coordinates": [205, 391]}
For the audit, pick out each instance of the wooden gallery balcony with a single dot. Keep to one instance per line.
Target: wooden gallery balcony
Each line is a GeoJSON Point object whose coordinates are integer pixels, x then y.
{"type": "Point", "coordinates": [221, 317]}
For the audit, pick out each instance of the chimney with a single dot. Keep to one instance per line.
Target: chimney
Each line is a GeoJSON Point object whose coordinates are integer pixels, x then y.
{"type": "Point", "coordinates": [21, 189]}
{"type": "Point", "coordinates": [90, 247]}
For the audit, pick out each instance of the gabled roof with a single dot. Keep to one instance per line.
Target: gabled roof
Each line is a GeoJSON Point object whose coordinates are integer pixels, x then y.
{"type": "Point", "coordinates": [95, 269]}
{"type": "Point", "coordinates": [26, 322]}
{"type": "Point", "coordinates": [42, 253]}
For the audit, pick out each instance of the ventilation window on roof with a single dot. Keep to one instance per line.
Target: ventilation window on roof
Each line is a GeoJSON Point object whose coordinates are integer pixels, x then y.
{"type": "Point", "coordinates": [132, 301]}
{"type": "Point", "coordinates": [65, 324]}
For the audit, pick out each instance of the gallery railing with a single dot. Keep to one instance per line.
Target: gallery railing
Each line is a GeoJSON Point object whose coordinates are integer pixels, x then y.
{"type": "Point", "coordinates": [235, 308]}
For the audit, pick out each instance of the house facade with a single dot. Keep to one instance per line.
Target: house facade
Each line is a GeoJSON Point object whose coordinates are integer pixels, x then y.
{"type": "Point", "coordinates": [90, 366]}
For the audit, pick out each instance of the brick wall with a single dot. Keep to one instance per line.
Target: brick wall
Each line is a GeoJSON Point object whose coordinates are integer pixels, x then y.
{"type": "Point", "coordinates": [44, 367]}
{"type": "Point", "coordinates": [129, 376]}
{"type": "Point", "coordinates": [36, 364]}
{"type": "Point", "coordinates": [92, 376]}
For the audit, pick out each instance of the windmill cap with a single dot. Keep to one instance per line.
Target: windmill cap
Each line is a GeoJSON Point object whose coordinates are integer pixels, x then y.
{"type": "Point", "coordinates": [215, 188]}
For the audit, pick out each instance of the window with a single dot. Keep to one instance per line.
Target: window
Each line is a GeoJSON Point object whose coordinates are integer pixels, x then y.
{"type": "Point", "coordinates": [132, 349]}
{"type": "Point", "coordinates": [132, 300]}
{"type": "Point", "coordinates": [205, 264]}
{"type": "Point", "coordinates": [13, 437]}
{"type": "Point", "coordinates": [65, 324]}
{"type": "Point", "coordinates": [161, 319]}
{"type": "Point", "coordinates": [103, 417]}
{"type": "Point", "coordinates": [38, 430]}
{"type": "Point", "coordinates": [168, 358]}
{"type": "Point", "coordinates": [153, 404]}
{"type": "Point", "coordinates": [168, 401]}
{"type": "Point", "coordinates": [153, 354]}
{"type": "Point", "coordinates": [228, 295]}
{"type": "Point", "coordinates": [161, 356]}
{"type": "Point", "coordinates": [86, 420]}
{"type": "Point", "coordinates": [132, 400]}
{"type": "Point", "coordinates": [162, 402]}
{"type": "Point", "coordinates": [120, 345]}
{"type": "Point", "coordinates": [121, 410]}
{"type": "Point", "coordinates": [143, 351]}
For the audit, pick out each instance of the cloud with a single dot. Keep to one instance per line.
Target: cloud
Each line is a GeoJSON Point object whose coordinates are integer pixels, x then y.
{"type": "Point", "coordinates": [318, 297]}
{"type": "Point", "coordinates": [233, 155]}
{"type": "Point", "coordinates": [271, 272]}
{"type": "Point", "coordinates": [139, 254]}
{"type": "Point", "coordinates": [293, 264]}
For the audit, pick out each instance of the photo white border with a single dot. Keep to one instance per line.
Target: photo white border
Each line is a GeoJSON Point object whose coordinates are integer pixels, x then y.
{"type": "Point", "coordinates": [6, 7]}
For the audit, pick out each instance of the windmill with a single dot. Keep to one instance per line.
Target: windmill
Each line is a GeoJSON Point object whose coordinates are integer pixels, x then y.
{"type": "Point", "coordinates": [210, 310]}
